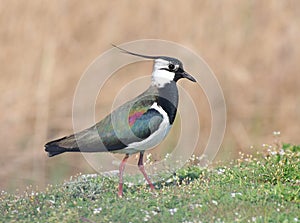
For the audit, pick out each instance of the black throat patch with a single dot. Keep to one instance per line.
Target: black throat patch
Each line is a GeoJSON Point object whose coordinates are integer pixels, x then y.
{"type": "Point", "coordinates": [168, 100]}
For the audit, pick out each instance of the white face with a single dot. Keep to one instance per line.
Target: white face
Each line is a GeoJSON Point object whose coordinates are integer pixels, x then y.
{"type": "Point", "coordinates": [160, 76]}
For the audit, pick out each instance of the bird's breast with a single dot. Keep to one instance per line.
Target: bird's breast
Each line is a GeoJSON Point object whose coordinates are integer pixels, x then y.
{"type": "Point", "coordinates": [155, 138]}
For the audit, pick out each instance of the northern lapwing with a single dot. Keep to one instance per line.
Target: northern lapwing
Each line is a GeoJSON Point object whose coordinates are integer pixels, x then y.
{"type": "Point", "coordinates": [136, 126]}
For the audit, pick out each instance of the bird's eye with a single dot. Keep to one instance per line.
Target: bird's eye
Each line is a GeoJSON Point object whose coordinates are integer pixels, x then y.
{"type": "Point", "coordinates": [171, 66]}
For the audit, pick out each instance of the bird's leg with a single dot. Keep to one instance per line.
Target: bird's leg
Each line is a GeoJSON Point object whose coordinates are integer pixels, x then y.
{"type": "Point", "coordinates": [121, 170]}
{"type": "Point", "coordinates": [142, 169]}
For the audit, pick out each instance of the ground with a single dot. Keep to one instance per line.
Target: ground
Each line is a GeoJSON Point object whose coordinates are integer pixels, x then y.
{"type": "Point", "coordinates": [254, 188]}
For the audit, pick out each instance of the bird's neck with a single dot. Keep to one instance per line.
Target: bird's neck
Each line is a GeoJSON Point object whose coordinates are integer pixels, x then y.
{"type": "Point", "coordinates": [168, 99]}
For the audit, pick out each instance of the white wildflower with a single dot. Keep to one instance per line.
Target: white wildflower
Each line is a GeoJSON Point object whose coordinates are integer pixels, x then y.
{"type": "Point", "coordinates": [193, 206]}
{"type": "Point", "coordinates": [97, 210]}
{"type": "Point", "coordinates": [15, 212]}
{"type": "Point", "coordinates": [167, 156]}
{"type": "Point", "coordinates": [170, 180]}
{"type": "Point", "coordinates": [147, 217]}
{"type": "Point", "coordinates": [52, 201]}
{"type": "Point", "coordinates": [233, 194]}
{"type": "Point", "coordinates": [281, 152]}
{"type": "Point", "coordinates": [154, 212]}
{"type": "Point", "coordinates": [214, 202]}
{"type": "Point", "coordinates": [173, 211]}
{"type": "Point", "coordinates": [130, 184]}
{"type": "Point", "coordinates": [221, 171]}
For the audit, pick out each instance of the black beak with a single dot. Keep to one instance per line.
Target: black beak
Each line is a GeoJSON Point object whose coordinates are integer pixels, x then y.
{"type": "Point", "coordinates": [188, 76]}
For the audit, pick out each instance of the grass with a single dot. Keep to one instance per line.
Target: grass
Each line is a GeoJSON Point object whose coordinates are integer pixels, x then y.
{"type": "Point", "coordinates": [260, 188]}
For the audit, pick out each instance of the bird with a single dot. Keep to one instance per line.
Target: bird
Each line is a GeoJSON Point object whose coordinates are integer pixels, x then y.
{"type": "Point", "coordinates": [136, 126]}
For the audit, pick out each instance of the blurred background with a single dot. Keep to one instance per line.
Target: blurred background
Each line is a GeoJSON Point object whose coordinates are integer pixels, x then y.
{"type": "Point", "coordinates": [252, 47]}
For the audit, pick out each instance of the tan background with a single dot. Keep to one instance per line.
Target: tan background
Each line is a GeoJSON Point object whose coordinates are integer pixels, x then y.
{"type": "Point", "coordinates": [252, 46]}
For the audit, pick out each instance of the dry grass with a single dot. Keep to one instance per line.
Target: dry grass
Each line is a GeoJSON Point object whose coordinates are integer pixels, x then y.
{"type": "Point", "coordinates": [252, 46]}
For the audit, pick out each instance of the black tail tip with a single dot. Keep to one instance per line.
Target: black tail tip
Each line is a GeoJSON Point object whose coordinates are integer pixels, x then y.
{"type": "Point", "coordinates": [50, 154]}
{"type": "Point", "coordinates": [53, 149]}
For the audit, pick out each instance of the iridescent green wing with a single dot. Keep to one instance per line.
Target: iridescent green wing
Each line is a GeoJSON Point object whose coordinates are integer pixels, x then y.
{"type": "Point", "coordinates": [132, 122]}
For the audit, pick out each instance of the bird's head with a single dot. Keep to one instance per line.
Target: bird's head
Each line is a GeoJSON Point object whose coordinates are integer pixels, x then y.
{"type": "Point", "coordinates": [165, 69]}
